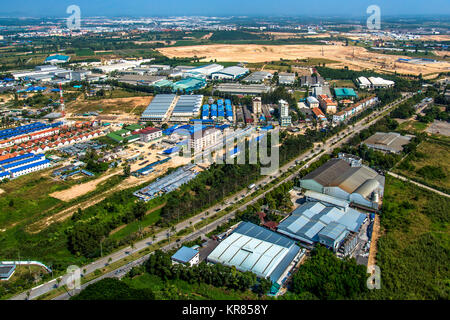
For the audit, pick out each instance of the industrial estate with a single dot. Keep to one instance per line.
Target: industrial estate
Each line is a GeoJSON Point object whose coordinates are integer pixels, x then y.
{"type": "Point", "coordinates": [136, 150]}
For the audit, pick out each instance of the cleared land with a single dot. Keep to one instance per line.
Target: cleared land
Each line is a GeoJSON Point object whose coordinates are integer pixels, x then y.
{"type": "Point", "coordinates": [356, 58]}
{"type": "Point", "coordinates": [439, 127]}
{"type": "Point", "coordinates": [122, 108]}
{"type": "Point", "coordinates": [79, 189]}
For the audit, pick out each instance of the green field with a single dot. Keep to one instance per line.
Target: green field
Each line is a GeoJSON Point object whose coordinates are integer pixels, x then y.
{"type": "Point", "coordinates": [414, 249]}
{"type": "Point", "coordinates": [28, 196]}
{"type": "Point", "coordinates": [84, 52]}
{"type": "Point", "coordinates": [428, 165]}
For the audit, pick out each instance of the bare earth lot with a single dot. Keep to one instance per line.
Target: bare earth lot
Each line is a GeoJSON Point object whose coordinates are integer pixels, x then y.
{"type": "Point", "coordinates": [79, 189]}
{"type": "Point", "coordinates": [439, 127]}
{"type": "Point", "coordinates": [356, 58]}
{"type": "Point", "coordinates": [129, 108]}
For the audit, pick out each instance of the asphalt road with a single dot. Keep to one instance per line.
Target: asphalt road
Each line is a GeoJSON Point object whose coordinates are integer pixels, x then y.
{"type": "Point", "coordinates": [138, 246]}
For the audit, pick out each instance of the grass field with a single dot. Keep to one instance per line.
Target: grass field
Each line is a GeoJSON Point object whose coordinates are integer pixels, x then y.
{"type": "Point", "coordinates": [343, 83]}
{"type": "Point", "coordinates": [179, 289]}
{"type": "Point", "coordinates": [27, 196]}
{"type": "Point", "coordinates": [414, 249]}
{"type": "Point", "coordinates": [429, 154]}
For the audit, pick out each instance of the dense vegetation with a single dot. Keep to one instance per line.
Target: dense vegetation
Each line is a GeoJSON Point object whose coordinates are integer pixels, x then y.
{"type": "Point", "coordinates": [406, 109]}
{"type": "Point", "coordinates": [326, 277]}
{"type": "Point", "coordinates": [413, 251]}
{"type": "Point", "coordinates": [113, 289]}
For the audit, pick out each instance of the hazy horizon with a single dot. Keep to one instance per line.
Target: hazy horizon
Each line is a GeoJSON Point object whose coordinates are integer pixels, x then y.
{"type": "Point", "coordinates": [219, 8]}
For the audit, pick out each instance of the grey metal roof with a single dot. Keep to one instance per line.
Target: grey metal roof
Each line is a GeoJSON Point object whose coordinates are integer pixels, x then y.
{"type": "Point", "coordinates": [339, 173]}
{"type": "Point", "coordinates": [188, 104]}
{"type": "Point", "coordinates": [307, 221]}
{"type": "Point", "coordinates": [159, 106]}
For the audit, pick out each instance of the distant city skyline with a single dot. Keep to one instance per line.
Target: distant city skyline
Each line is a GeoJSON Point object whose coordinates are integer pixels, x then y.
{"type": "Point", "coordinates": [149, 8]}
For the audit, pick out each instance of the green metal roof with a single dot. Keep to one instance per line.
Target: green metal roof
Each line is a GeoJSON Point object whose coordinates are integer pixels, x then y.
{"type": "Point", "coordinates": [345, 92]}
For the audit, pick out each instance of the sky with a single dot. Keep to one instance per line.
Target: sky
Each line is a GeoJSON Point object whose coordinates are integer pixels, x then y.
{"type": "Point", "coordinates": [148, 8]}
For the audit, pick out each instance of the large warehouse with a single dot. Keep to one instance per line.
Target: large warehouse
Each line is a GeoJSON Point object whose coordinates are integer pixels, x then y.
{"type": "Point", "coordinates": [186, 107]}
{"type": "Point", "coordinates": [230, 73]}
{"type": "Point", "coordinates": [237, 88]}
{"type": "Point", "coordinates": [388, 141]}
{"type": "Point", "coordinates": [349, 180]}
{"type": "Point", "coordinates": [316, 221]}
{"type": "Point", "coordinates": [158, 108]}
{"type": "Point", "coordinates": [253, 248]}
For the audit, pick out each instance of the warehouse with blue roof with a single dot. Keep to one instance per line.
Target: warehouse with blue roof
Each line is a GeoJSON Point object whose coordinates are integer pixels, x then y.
{"type": "Point", "coordinates": [57, 58]}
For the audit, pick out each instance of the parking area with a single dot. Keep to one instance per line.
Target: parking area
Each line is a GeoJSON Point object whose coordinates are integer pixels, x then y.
{"type": "Point", "coordinates": [210, 245]}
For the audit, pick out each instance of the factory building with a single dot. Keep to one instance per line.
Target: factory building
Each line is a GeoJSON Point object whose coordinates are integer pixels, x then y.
{"type": "Point", "coordinates": [320, 222]}
{"type": "Point", "coordinates": [230, 73]}
{"type": "Point", "coordinates": [186, 107]}
{"type": "Point", "coordinates": [345, 93]}
{"type": "Point", "coordinates": [258, 77]}
{"type": "Point", "coordinates": [346, 179]}
{"type": "Point", "coordinates": [57, 58]}
{"type": "Point", "coordinates": [256, 249]}
{"type": "Point", "coordinates": [392, 142]}
{"type": "Point", "coordinates": [285, 78]}
{"type": "Point", "coordinates": [311, 81]}
{"type": "Point", "coordinates": [188, 85]}
{"type": "Point", "coordinates": [159, 107]}
{"type": "Point", "coordinates": [237, 88]}
{"type": "Point", "coordinates": [374, 83]}
{"type": "Point", "coordinates": [167, 183]}
{"type": "Point", "coordinates": [204, 71]}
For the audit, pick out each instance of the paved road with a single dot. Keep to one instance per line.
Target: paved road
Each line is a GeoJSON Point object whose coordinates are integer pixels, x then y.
{"type": "Point", "coordinates": [123, 253]}
{"type": "Point", "coordinates": [418, 184]}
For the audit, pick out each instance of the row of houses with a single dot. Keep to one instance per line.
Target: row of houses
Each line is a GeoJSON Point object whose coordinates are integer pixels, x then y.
{"type": "Point", "coordinates": [36, 130]}
{"type": "Point", "coordinates": [21, 165]}
{"type": "Point", "coordinates": [45, 144]}
{"type": "Point", "coordinates": [352, 110]}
